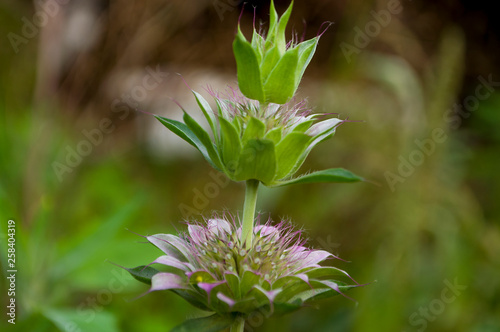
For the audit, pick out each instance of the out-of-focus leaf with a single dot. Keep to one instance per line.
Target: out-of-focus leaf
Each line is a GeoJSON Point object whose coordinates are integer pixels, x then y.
{"type": "Point", "coordinates": [84, 321]}
{"type": "Point", "coordinates": [212, 323]}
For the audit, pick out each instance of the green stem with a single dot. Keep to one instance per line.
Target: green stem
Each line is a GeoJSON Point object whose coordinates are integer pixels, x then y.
{"type": "Point", "coordinates": [238, 325]}
{"type": "Point", "coordinates": [249, 211]}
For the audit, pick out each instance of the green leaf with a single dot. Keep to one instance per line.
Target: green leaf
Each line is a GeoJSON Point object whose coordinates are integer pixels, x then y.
{"type": "Point", "coordinates": [255, 129]}
{"type": "Point", "coordinates": [306, 52]}
{"type": "Point", "coordinates": [248, 280]}
{"type": "Point", "coordinates": [326, 271]}
{"type": "Point", "coordinates": [274, 134]}
{"type": "Point", "coordinates": [183, 131]}
{"type": "Point", "coordinates": [212, 323]}
{"type": "Point", "coordinates": [78, 320]}
{"type": "Point", "coordinates": [338, 175]}
{"type": "Point", "coordinates": [279, 86]}
{"type": "Point", "coordinates": [271, 58]}
{"type": "Point", "coordinates": [142, 273]}
{"type": "Point", "coordinates": [233, 281]}
{"type": "Point", "coordinates": [204, 139]}
{"type": "Point", "coordinates": [230, 145]}
{"type": "Point", "coordinates": [302, 127]}
{"type": "Point", "coordinates": [207, 111]}
{"type": "Point", "coordinates": [257, 45]}
{"type": "Point", "coordinates": [247, 66]}
{"type": "Point", "coordinates": [288, 152]}
{"type": "Point", "coordinates": [271, 35]}
{"type": "Point", "coordinates": [280, 34]}
{"type": "Point", "coordinates": [257, 161]}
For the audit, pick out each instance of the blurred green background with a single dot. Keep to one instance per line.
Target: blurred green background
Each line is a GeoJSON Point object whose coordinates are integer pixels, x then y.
{"type": "Point", "coordinates": [413, 73]}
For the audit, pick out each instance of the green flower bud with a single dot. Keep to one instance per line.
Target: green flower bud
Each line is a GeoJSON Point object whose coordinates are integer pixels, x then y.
{"type": "Point", "coordinates": [270, 69]}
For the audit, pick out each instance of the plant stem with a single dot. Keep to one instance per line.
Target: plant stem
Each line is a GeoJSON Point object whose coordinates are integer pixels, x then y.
{"type": "Point", "coordinates": [238, 325]}
{"type": "Point", "coordinates": [249, 211]}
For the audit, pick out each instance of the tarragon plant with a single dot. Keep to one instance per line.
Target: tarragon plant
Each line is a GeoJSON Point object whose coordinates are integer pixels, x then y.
{"type": "Point", "coordinates": [236, 266]}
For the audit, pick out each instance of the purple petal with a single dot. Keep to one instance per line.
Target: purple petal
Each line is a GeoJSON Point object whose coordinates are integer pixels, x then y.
{"type": "Point", "coordinates": [335, 287]}
{"type": "Point", "coordinates": [173, 262]}
{"type": "Point", "coordinates": [229, 301]}
{"type": "Point", "coordinates": [271, 295]}
{"type": "Point", "coordinates": [197, 233]}
{"type": "Point", "coordinates": [323, 126]}
{"type": "Point", "coordinates": [207, 287]}
{"type": "Point", "coordinates": [164, 241]}
{"type": "Point", "coordinates": [316, 256]}
{"type": "Point", "coordinates": [163, 280]}
{"type": "Point", "coordinates": [218, 226]}
{"type": "Point", "coordinates": [266, 230]}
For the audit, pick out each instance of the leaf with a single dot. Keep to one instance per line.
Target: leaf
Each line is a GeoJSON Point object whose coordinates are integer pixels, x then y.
{"type": "Point", "coordinates": [248, 280]}
{"type": "Point", "coordinates": [274, 134]}
{"type": "Point", "coordinates": [280, 33]}
{"type": "Point", "coordinates": [279, 86]}
{"type": "Point", "coordinates": [288, 152]}
{"type": "Point", "coordinates": [78, 320]}
{"type": "Point", "coordinates": [142, 273]}
{"type": "Point", "coordinates": [247, 66]}
{"type": "Point", "coordinates": [255, 129]}
{"type": "Point", "coordinates": [257, 161]}
{"type": "Point", "coordinates": [306, 53]}
{"type": "Point", "coordinates": [204, 139]}
{"type": "Point", "coordinates": [183, 131]}
{"type": "Point", "coordinates": [271, 58]}
{"type": "Point", "coordinates": [230, 145]}
{"type": "Point", "coordinates": [233, 282]}
{"type": "Point", "coordinates": [211, 323]}
{"type": "Point", "coordinates": [207, 111]}
{"type": "Point", "coordinates": [338, 175]}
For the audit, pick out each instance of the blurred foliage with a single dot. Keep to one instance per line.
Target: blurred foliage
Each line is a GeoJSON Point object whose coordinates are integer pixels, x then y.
{"type": "Point", "coordinates": [440, 224]}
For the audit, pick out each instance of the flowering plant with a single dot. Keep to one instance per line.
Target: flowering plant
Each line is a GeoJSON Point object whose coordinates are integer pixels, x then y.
{"type": "Point", "coordinates": [236, 266]}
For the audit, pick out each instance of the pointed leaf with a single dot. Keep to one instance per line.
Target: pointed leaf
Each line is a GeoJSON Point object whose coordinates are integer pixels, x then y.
{"type": "Point", "coordinates": [183, 131]}
{"type": "Point", "coordinates": [143, 273]}
{"type": "Point", "coordinates": [231, 145]}
{"type": "Point", "coordinates": [213, 323]}
{"type": "Point", "coordinates": [338, 175]}
{"type": "Point", "coordinates": [280, 34]}
{"type": "Point", "coordinates": [288, 152]}
{"type": "Point", "coordinates": [279, 86]}
{"type": "Point", "coordinates": [306, 52]}
{"type": "Point", "coordinates": [270, 60]}
{"type": "Point", "coordinates": [204, 139]}
{"type": "Point", "coordinates": [207, 111]}
{"type": "Point", "coordinates": [247, 66]}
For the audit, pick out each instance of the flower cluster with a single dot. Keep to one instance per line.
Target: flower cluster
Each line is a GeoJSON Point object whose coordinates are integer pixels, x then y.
{"type": "Point", "coordinates": [215, 270]}
{"type": "Point", "coordinates": [268, 144]}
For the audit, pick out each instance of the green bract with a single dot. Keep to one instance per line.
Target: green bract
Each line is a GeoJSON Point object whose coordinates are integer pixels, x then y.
{"type": "Point", "coordinates": [269, 68]}
{"type": "Point", "coordinates": [254, 143]}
